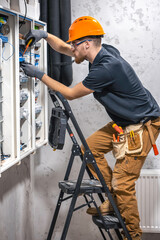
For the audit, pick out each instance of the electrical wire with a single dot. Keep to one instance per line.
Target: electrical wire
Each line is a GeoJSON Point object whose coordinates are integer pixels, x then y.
{"type": "Point", "coordinates": [4, 156]}
{"type": "Point", "coordinates": [28, 52]}
{"type": "Point", "coordinates": [6, 59]}
{"type": "Point", "coordinates": [21, 51]}
{"type": "Point", "coordinates": [23, 22]}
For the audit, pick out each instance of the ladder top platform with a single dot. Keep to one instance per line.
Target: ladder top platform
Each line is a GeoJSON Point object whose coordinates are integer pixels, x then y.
{"type": "Point", "coordinates": [87, 186]}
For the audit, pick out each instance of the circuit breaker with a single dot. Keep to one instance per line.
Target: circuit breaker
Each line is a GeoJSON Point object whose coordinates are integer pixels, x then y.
{"type": "Point", "coordinates": [23, 100]}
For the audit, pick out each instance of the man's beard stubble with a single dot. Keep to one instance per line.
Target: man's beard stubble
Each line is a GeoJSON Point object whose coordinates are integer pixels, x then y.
{"type": "Point", "coordinates": [79, 60]}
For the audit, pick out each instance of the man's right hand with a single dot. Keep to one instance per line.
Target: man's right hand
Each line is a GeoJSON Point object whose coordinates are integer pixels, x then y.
{"type": "Point", "coordinates": [31, 70]}
{"type": "Point", "coordinates": [36, 35]}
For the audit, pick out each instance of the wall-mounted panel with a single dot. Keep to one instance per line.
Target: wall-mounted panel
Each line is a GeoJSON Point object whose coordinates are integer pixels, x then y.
{"type": "Point", "coordinates": [23, 100]}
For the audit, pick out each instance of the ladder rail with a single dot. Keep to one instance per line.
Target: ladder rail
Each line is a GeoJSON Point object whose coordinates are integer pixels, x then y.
{"type": "Point", "coordinates": [87, 158]}
{"type": "Point", "coordinates": [80, 134]}
{"type": "Point", "coordinates": [67, 174]}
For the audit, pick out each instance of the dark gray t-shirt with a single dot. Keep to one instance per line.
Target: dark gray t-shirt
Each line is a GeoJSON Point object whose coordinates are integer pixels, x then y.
{"type": "Point", "coordinates": [117, 87]}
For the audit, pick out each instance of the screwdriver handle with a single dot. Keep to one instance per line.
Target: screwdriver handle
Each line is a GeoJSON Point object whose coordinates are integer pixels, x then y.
{"type": "Point", "coordinates": [118, 129]}
{"type": "Point", "coordinates": [29, 42]}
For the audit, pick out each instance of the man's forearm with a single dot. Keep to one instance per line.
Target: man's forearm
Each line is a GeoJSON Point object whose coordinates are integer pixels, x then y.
{"type": "Point", "coordinates": [59, 45]}
{"type": "Point", "coordinates": [79, 90]}
{"type": "Point", "coordinates": [57, 86]}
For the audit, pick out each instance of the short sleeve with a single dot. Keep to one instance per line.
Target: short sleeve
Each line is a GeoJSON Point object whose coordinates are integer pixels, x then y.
{"type": "Point", "coordinates": [98, 78]}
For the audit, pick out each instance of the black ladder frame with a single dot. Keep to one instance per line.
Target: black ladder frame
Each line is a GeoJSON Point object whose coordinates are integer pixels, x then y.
{"type": "Point", "coordinates": [86, 158]}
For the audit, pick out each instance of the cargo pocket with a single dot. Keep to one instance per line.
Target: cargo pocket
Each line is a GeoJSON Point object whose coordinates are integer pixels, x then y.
{"type": "Point", "coordinates": [133, 165]}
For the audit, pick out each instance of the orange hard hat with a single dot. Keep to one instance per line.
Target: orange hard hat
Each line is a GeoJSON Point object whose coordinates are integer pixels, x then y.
{"type": "Point", "coordinates": [85, 26]}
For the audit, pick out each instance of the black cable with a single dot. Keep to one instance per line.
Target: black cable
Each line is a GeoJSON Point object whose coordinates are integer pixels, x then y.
{"type": "Point", "coordinates": [1, 150]}
{"type": "Point", "coordinates": [23, 22]}
{"type": "Point", "coordinates": [3, 156]}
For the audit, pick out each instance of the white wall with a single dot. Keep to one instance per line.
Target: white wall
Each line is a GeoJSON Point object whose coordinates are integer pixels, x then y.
{"type": "Point", "coordinates": [29, 192]}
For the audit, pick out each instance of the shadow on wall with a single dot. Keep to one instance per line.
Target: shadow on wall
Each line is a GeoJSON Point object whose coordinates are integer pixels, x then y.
{"type": "Point", "coordinates": [14, 176]}
{"type": "Point", "coordinates": [16, 202]}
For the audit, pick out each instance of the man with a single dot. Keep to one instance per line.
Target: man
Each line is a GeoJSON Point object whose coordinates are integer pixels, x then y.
{"type": "Point", "coordinates": [116, 86]}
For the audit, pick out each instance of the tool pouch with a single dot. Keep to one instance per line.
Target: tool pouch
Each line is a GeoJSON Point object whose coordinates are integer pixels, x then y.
{"type": "Point", "coordinates": [134, 144]}
{"type": "Point", "coordinates": [129, 144]}
{"type": "Point", "coordinates": [119, 147]}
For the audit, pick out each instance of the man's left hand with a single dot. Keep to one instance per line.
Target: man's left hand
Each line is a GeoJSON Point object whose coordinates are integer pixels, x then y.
{"type": "Point", "coordinates": [32, 71]}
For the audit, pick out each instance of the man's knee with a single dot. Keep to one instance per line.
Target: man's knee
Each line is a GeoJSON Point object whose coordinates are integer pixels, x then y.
{"type": "Point", "coordinates": [90, 145]}
{"type": "Point", "coordinates": [82, 149]}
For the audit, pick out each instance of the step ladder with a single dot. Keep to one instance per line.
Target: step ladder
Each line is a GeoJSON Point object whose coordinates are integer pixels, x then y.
{"type": "Point", "coordinates": [71, 189]}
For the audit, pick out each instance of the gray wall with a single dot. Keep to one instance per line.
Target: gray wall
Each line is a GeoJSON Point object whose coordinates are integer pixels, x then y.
{"type": "Point", "coordinates": [29, 192]}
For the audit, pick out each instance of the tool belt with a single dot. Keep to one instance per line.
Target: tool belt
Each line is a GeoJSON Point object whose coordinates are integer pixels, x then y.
{"type": "Point", "coordinates": [130, 142]}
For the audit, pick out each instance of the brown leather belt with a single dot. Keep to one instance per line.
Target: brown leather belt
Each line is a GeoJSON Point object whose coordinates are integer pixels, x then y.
{"type": "Point", "coordinates": [146, 119]}
{"type": "Point", "coordinates": [148, 125]}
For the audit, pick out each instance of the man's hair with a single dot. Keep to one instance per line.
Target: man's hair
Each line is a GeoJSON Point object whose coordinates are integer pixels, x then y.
{"type": "Point", "coordinates": [96, 39]}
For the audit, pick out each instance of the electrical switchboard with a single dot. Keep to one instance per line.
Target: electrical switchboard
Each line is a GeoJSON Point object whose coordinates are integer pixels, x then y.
{"type": "Point", "coordinates": [23, 100]}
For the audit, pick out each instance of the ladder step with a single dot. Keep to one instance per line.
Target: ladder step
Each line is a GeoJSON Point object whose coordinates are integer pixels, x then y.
{"type": "Point", "coordinates": [87, 186]}
{"type": "Point", "coordinates": [110, 220]}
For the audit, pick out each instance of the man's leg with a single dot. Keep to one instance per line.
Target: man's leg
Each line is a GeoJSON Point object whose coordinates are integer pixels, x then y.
{"type": "Point", "coordinates": [125, 173]}
{"type": "Point", "coordinates": [100, 143]}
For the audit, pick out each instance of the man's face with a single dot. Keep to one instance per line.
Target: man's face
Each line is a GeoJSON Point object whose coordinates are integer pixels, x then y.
{"type": "Point", "coordinates": [79, 50]}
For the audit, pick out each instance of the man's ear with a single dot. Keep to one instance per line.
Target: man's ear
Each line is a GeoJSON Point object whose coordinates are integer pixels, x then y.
{"type": "Point", "coordinates": [87, 45]}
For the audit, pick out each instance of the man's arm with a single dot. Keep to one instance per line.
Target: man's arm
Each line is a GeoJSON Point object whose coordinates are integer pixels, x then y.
{"type": "Point", "coordinates": [56, 43]}
{"type": "Point", "coordinates": [59, 45]}
{"type": "Point", "coordinates": [69, 93]}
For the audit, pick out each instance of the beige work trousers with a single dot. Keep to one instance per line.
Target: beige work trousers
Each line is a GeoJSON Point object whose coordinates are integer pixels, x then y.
{"type": "Point", "coordinates": [125, 173]}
